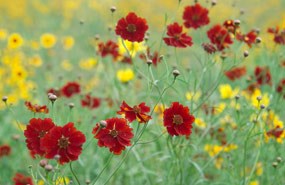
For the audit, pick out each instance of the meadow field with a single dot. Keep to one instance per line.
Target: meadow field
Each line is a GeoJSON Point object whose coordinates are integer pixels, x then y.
{"type": "Point", "coordinates": [129, 92]}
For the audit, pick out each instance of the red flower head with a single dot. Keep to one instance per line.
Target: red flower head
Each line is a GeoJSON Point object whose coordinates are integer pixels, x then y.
{"type": "Point", "coordinates": [116, 135]}
{"type": "Point", "coordinates": [136, 112]}
{"type": "Point", "coordinates": [65, 142]}
{"type": "Point", "coordinates": [35, 131]}
{"type": "Point", "coordinates": [36, 108]}
{"type": "Point", "coordinates": [90, 102]}
{"type": "Point", "coordinates": [5, 150]}
{"type": "Point", "coordinates": [132, 28]}
{"type": "Point", "coordinates": [281, 87]}
{"type": "Point", "coordinates": [235, 73]}
{"type": "Point", "coordinates": [70, 89]}
{"type": "Point", "coordinates": [209, 48]}
{"type": "Point", "coordinates": [20, 179]}
{"type": "Point", "coordinates": [276, 132]}
{"type": "Point", "coordinates": [56, 92]}
{"type": "Point", "coordinates": [176, 37]}
{"type": "Point", "coordinates": [109, 48]}
{"type": "Point", "coordinates": [219, 36]}
{"type": "Point", "coordinates": [279, 37]}
{"type": "Point", "coordinates": [231, 26]}
{"type": "Point", "coordinates": [154, 57]}
{"type": "Point", "coordinates": [249, 38]}
{"type": "Point", "coordinates": [195, 16]}
{"type": "Point", "coordinates": [178, 120]}
{"type": "Point", "coordinates": [262, 75]}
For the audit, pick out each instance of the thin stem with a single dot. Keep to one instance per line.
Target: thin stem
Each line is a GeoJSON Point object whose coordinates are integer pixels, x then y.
{"type": "Point", "coordinates": [107, 163]}
{"type": "Point", "coordinates": [73, 173]}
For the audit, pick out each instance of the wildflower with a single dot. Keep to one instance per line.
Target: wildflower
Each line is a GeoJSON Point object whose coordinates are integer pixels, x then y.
{"type": "Point", "coordinates": [262, 75]}
{"type": "Point", "coordinates": [48, 40]}
{"type": "Point", "coordinates": [90, 102]}
{"type": "Point", "coordinates": [235, 73]}
{"type": "Point", "coordinates": [64, 141]}
{"type": "Point", "coordinates": [125, 75]}
{"type": "Point", "coordinates": [116, 135]}
{"type": "Point", "coordinates": [209, 48]}
{"type": "Point", "coordinates": [132, 28]}
{"type": "Point", "coordinates": [249, 38]}
{"type": "Point", "coordinates": [70, 89]}
{"type": "Point", "coordinates": [153, 57]}
{"type": "Point", "coordinates": [200, 123]}
{"type": "Point", "coordinates": [219, 36]}
{"type": "Point", "coordinates": [35, 131]}
{"type": "Point", "coordinates": [35, 61]}
{"type": "Point", "coordinates": [5, 150]}
{"type": "Point", "coordinates": [178, 120]}
{"type": "Point", "coordinates": [281, 87]}
{"type": "Point", "coordinates": [109, 48]}
{"type": "Point", "coordinates": [68, 42]}
{"type": "Point", "coordinates": [20, 179]}
{"type": "Point", "coordinates": [195, 16]}
{"type": "Point", "coordinates": [227, 92]}
{"type": "Point", "coordinates": [258, 99]}
{"type": "Point", "coordinates": [137, 112]}
{"type": "Point", "coordinates": [176, 37]}
{"type": "Point", "coordinates": [130, 48]}
{"type": "Point", "coordinates": [3, 34]}
{"type": "Point", "coordinates": [279, 37]}
{"type": "Point", "coordinates": [231, 26]}
{"type": "Point", "coordinates": [15, 40]}
{"type": "Point", "coordinates": [66, 65]}
{"type": "Point", "coordinates": [193, 96]}
{"type": "Point", "coordinates": [87, 64]}
{"type": "Point", "coordinates": [36, 108]}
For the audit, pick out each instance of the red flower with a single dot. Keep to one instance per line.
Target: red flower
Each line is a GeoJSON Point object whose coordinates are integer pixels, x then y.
{"type": "Point", "coordinates": [195, 16]}
{"type": "Point", "coordinates": [281, 87]}
{"type": "Point", "coordinates": [219, 36]}
{"type": "Point", "coordinates": [70, 89]}
{"type": "Point", "coordinates": [176, 37]}
{"type": "Point", "coordinates": [279, 37]}
{"type": "Point", "coordinates": [235, 73]}
{"type": "Point", "coordinates": [90, 102]}
{"type": "Point", "coordinates": [116, 135]}
{"type": "Point", "coordinates": [262, 75]}
{"type": "Point", "coordinates": [109, 48]}
{"type": "Point", "coordinates": [36, 108]}
{"type": "Point", "coordinates": [20, 179]}
{"type": "Point", "coordinates": [178, 120]}
{"type": "Point", "coordinates": [231, 26]}
{"type": "Point", "coordinates": [35, 131]}
{"type": "Point", "coordinates": [249, 38]}
{"type": "Point", "coordinates": [132, 28]}
{"type": "Point", "coordinates": [56, 92]}
{"type": "Point", "coordinates": [5, 150]}
{"type": "Point", "coordinates": [136, 112]}
{"type": "Point", "coordinates": [65, 142]}
{"type": "Point", "coordinates": [209, 48]}
{"type": "Point", "coordinates": [276, 132]}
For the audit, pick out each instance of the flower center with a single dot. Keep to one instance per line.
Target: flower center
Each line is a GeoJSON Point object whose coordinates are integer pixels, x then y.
{"type": "Point", "coordinates": [63, 142]}
{"type": "Point", "coordinates": [195, 17]}
{"type": "Point", "coordinates": [137, 109]}
{"type": "Point", "coordinates": [177, 119]}
{"type": "Point", "coordinates": [131, 28]}
{"type": "Point", "coordinates": [114, 133]}
{"type": "Point", "coordinates": [42, 133]}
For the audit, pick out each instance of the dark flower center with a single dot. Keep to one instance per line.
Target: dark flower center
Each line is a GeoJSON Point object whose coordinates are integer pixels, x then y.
{"type": "Point", "coordinates": [63, 142]}
{"type": "Point", "coordinates": [177, 119]}
{"type": "Point", "coordinates": [42, 133]}
{"type": "Point", "coordinates": [137, 109]}
{"type": "Point", "coordinates": [131, 28]}
{"type": "Point", "coordinates": [195, 17]}
{"type": "Point", "coordinates": [114, 133]}
{"type": "Point", "coordinates": [177, 37]}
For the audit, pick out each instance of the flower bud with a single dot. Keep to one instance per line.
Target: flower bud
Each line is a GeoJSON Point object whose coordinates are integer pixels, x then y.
{"type": "Point", "coordinates": [245, 53]}
{"type": "Point", "coordinates": [103, 124]}
{"type": "Point", "coordinates": [149, 62]}
{"type": "Point", "coordinates": [279, 159]}
{"type": "Point", "coordinates": [71, 105]}
{"type": "Point", "coordinates": [52, 97]}
{"type": "Point", "coordinates": [43, 163]}
{"type": "Point", "coordinates": [237, 22]}
{"type": "Point", "coordinates": [175, 73]}
{"type": "Point", "coordinates": [48, 167]}
{"type": "Point", "coordinates": [258, 40]}
{"type": "Point", "coordinates": [262, 106]}
{"type": "Point", "coordinates": [214, 2]}
{"type": "Point", "coordinates": [259, 98]}
{"type": "Point", "coordinates": [4, 99]}
{"type": "Point", "coordinates": [275, 164]}
{"type": "Point", "coordinates": [113, 9]}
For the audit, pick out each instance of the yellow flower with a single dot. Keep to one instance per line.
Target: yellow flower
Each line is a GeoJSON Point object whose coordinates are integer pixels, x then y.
{"type": "Point", "coordinates": [34, 45]}
{"type": "Point", "coordinates": [3, 34]}
{"type": "Point", "coordinates": [159, 109]}
{"type": "Point", "coordinates": [48, 40]}
{"type": "Point", "coordinates": [255, 182]}
{"type": "Point", "coordinates": [219, 162]}
{"type": "Point", "coordinates": [213, 149]}
{"type": "Point", "coordinates": [19, 125]}
{"type": "Point", "coordinates": [88, 63]}
{"type": "Point", "coordinates": [68, 42]}
{"type": "Point", "coordinates": [191, 96]}
{"type": "Point", "coordinates": [219, 108]}
{"type": "Point", "coordinates": [259, 169]}
{"type": "Point", "coordinates": [264, 99]}
{"type": "Point", "coordinates": [59, 181]}
{"type": "Point", "coordinates": [15, 41]}
{"type": "Point", "coordinates": [132, 47]}
{"type": "Point", "coordinates": [125, 75]}
{"type": "Point", "coordinates": [35, 61]}
{"type": "Point", "coordinates": [227, 92]}
{"type": "Point", "coordinates": [200, 123]}
{"type": "Point", "coordinates": [66, 65]}
{"type": "Point", "coordinates": [230, 147]}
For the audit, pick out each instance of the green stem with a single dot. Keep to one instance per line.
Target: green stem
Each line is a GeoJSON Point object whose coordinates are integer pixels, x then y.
{"type": "Point", "coordinates": [106, 165]}
{"type": "Point", "coordinates": [73, 173]}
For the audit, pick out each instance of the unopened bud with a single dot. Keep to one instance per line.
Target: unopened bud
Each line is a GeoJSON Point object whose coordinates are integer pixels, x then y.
{"type": "Point", "coordinates": [4, 99]}
{"type": "Point", "coordinates": [279, 159]}
{"type": "Point", "coordinates": [16, 137]}
{"type": "Point", "coordinates": [274, 164]}
{"type": "Point", "coordinates": [237, 22]}
{"type": "Point", "coordinates": [113, 9]}
{"type": "Point", "coordinates": [161, 57]}
{"type": "Point", "coordinates": [48, 167]}
{"type": "Point", "coordinates": [103, 124]}
{"type": "Point", "coordinates": [56, 157]}
{"type": "Point", "coordinates": [259, 98]}
{"type": "Point", "coordinates": [149, 62]}
{"type": "Point", "coordinates": [245, 53]}
{"type": "Point", "coordinates": [52, 97]}
{"type": "Point", "coordinates": [237, 97]}
{"type": "Point", "coordinates": [43, 163]}
{"type": "Point", "coordinates": [87, 182]}
{"type": "Point", "coordinates": [97, 37]}
{"type": "Point", "coordinates": [71, 105]}
{"type": "Point", "coordinates": [81, 22]}
{"type": "Point", "coordinates": [175, 73]}
{"type": "Point", "coordinates": [214, 2]}
{"type": "Point", "coordinates": [262, 106]}
{"type": "Point", "coordinates": [258, 40]}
